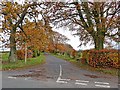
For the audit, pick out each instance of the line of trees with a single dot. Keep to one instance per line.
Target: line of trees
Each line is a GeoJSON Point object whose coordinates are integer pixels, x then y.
{"type": "Point", "coordinates": [22, 25]}
{"type": "Point", "coordinates": [94, 22]}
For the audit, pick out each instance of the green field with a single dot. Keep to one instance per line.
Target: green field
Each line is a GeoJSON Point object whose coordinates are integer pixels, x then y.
{"type": "Point", "coordinates": [21, 63]}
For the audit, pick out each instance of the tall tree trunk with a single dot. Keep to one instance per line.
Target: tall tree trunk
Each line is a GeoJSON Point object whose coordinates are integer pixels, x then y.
{"type": "Point", "coordinates": [99, 42]}
{"type": "Point", "coordinates": [12, 54]}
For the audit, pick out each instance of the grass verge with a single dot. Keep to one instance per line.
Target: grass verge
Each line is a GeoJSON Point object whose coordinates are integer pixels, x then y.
{"type": "Point", "coordinates": [21, 63]}
{"type": "Point", "coordinates": [110, 71]}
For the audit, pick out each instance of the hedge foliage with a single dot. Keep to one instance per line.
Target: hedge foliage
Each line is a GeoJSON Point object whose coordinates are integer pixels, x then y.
{"type": "Point", "coordinates": [21, 54]}
{"type": "Point", "coordinates": [102, 58]}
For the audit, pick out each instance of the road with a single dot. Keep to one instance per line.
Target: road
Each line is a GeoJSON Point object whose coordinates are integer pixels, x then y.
{"type": "Point", "coordinates": [57, 73]}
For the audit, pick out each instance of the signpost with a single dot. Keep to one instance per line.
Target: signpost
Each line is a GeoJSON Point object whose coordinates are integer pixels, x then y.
{"type": "Point", "coordinates": [25, 52]}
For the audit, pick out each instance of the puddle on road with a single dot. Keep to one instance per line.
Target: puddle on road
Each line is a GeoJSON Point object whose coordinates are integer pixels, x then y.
{"type": "Point", "coordinates": [92, 76]}
{"type": "Point", "coordinates": [35, 74]}
{"type": "Point", "coordinates": [95, 76]}
{"type": "Point", "coordinates": [73, 78]}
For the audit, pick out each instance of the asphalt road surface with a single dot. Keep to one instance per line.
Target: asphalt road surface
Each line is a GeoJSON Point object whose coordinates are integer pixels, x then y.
{"type": "Point", "coordinates": [57, 73]}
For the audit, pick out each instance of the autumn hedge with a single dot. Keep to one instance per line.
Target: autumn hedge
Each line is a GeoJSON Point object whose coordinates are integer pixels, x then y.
{"type": "Point", "coordinates": [21, 54]}
{"type": "Point", "coordinates": [102, 58]}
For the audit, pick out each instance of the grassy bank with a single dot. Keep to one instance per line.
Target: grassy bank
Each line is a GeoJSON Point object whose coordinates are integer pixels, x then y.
{"type": "Point", "coordinates": [110, 71]}
{"type": "Point", "coordinates": [21, 63]}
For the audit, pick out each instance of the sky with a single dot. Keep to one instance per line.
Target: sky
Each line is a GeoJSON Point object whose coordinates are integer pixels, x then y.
{"type": "Point", "coordinates": [74, 40]}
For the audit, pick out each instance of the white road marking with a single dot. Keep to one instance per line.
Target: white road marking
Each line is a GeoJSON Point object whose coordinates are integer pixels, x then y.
{"type": "Point", "coordinates": [27, 78]}
{"type": "Point", "coordinates": [102, 86]}
{"type": "Point", "coordinates": [60, 75]}
{"type": "Point", "coordinates": [60, 80]}
{"type": "Point", "coordinates": [12, 77]}
{"type": "Point", "coordinates": [102, 83]}
{"type": "Point", "coordinates": [65, 79]}
{"type": "Point", "coordinates": [80, 83]}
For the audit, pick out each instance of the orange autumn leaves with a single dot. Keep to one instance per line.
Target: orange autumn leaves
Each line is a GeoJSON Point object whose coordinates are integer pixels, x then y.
{"type": "Point", "coordinates": [40, 37]}
{"type": "Point", "coordinates": [102, 58]}
{"type": "Point", "coordinates": [35, 37]}
{"type": "Point", "coordinates": [11, 14]}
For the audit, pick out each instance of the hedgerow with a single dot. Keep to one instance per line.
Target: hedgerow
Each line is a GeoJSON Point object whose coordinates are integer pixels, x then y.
{"type": "Point", "coordinates": [102, 58]}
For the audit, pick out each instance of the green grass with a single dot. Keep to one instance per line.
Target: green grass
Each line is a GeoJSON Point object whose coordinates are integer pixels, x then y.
{"type": "Point", "coordinates": [21, 63]}
{"type": "Point", "coordinates": [65, 57]}
{"type": "Point", "coordinates": [5, 56]}
{"type": "Point", "coordinates": [110, 71]}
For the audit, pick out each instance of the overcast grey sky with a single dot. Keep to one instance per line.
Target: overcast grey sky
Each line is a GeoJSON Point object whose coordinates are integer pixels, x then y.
{"type": "Point", "coordinates": [74, 40]}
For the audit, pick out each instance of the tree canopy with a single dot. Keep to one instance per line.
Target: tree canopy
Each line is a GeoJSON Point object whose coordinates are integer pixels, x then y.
{"type": "Point", "coordinates": [95, 22]}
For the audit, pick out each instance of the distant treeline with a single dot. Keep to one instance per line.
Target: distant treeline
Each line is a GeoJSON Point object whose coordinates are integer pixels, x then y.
{"type": "Point", "coordinates": [4, 51]}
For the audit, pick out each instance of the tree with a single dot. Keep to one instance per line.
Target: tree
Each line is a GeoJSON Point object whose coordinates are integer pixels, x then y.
{"type": "Point", "coordinates": [34, 34]}
{"type": "Point", "coordinates": [37, 36]}
{"type": "Point", "coordinates": [57, 39]}
{"type": "Point", "coordinates": [95, 22]}
{"type": "Point", "coordinates": [9, 26]}
{"type": "Point", "coordinates": [74, 53]}
{"type": "Point", "coordinates": [15, 16]}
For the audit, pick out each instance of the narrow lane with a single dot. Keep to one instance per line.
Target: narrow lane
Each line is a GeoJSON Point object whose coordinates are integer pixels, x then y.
{"type": "Point", "coordinates": [57, 73]}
